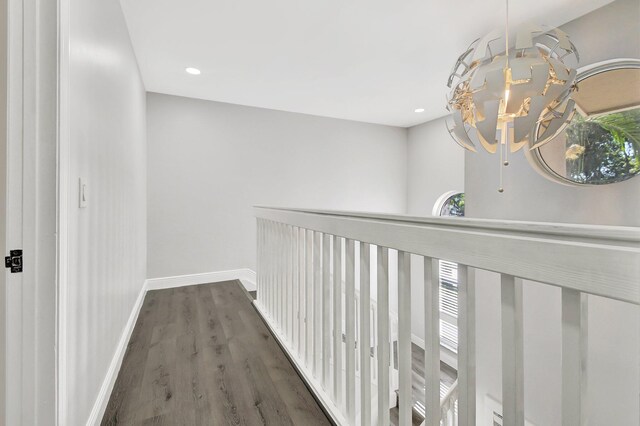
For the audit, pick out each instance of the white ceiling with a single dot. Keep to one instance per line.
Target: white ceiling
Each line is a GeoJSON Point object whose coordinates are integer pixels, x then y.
{"type": "Point", "coordinates": [366, 60]}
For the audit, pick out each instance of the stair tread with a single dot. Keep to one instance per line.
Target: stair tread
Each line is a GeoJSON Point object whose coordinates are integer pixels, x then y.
{"type": "Point", "coordinates": [447, 377]}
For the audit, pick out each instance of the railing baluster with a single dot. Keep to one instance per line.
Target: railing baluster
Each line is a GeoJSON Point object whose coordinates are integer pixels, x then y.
{"type": "Point", "coordinates": [574, 357]}
{"type": "Point", "coordinates": [281, 279]}
{"type": "Point", "coordinates": [432, 341]}
{"type": "Point", "coordinates": [276, 242]}
{"type": "Point", "coordinates": [383, 335]}
{"type": "Point", "coordinates": [584, 353]}
{"type": "Point", "coordinates": [282, 254]}
{"type": "Point", "coordinates": [274, 270]}
{"type": "Point", "coordinates": [294, 288]}
{"type": "Point", "coordinates": [276, 275]}
{"type": "Point", "coordinates": [258, 258]}
{"type": "Point", "coordinates": [263, 264]}
{"type": "Point", "coordinates": [309, 300]}
{"type": "Point", "coordinates": [291, 282]}
{"type": "Point", "coordinates": [404, 337]}
{"type": "Point", "coordinates": [365, 332]}
{"type": "Point", "coordinates": [286, 260]}
{"type": "Point", "coordinates": [337, 320]}
{"type": "Point", "coordinates": [512, 351]}
{"type": "Point", "coordinates": [276, 264]}
{"type": "Point", "coordinates": [270, 289]}
{"type": "Point", "coordinates": [317, 305]}
{"type": "Point", "coordinates": [350, 329]}
{"type": "Point", "coordinates": [301, 293]}
{"type": "Point", "coordinates": [466, 346]}
{"type": "Point", "coordinates": [454, 416]}
{"type": "Point", "coordinates": [326, 310]}
{"type": "Point", "coordinates": [272, 265]}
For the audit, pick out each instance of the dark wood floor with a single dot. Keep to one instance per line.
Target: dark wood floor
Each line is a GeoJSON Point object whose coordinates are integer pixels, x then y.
{"type": "Point", "coordinates": [200, 355]}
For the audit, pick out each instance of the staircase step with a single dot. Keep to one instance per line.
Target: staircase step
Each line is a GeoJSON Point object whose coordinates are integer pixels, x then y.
{"type": "Point", "coordinates": [417, 411]}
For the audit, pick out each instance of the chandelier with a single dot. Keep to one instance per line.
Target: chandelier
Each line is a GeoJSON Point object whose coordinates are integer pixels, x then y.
{"type": "Point", "coordinates": [506, 100]}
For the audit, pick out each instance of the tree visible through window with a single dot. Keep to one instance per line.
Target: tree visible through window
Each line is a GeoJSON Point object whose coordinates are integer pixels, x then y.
{"type": "Point", "coordinates": [453, 206]}
{"type": "Point", "coordinates": [603, 149]}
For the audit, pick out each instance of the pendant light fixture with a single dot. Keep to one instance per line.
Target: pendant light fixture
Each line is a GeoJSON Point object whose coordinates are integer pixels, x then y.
{"type": "Point", "coordinates": [506, 100]}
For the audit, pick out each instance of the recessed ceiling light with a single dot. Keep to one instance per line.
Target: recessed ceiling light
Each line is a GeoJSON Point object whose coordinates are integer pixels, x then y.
{"type": "Point", "coordinates": [418, 110]}
{"type": "Point", "coordinates": [192, 71]}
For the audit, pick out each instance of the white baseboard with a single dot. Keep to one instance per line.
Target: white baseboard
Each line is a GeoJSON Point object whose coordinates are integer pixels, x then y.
{"type": "Point", "coordinates": [102, 400]}
{"type": "Point", "coordinates": [245, 275]}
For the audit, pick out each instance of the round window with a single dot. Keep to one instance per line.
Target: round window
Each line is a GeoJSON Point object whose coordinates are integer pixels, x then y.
{"type": "Point", "coordinates": [601, 143]}
{"type": "Point", "coordinates": [450, 204]}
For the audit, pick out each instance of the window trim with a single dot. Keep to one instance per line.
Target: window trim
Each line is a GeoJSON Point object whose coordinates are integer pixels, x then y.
{"type": "Point", "coordinates": [439, 204]}
{"type": "Point", "coordinates": [534, 156]}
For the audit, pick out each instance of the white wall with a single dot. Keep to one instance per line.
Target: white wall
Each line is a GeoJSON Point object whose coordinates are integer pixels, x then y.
{"type": "Point", "coordinates": [43, 222]}
{"type": "Point", "coordinates": [614, 349]}
{"type": "Point", "coordinates": [435, 165]}
{"type": "Point", "coordinates": [210, 162]}
{"type": "Point", "coordinates": [107, 239]}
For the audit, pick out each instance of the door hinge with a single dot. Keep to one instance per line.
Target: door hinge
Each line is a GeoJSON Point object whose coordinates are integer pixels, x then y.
{"type": "Point", "coordinates": [14, 261]}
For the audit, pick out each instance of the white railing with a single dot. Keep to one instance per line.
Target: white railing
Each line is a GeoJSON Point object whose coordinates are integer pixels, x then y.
{"type": "Point", "coordinates": [449, 406]}
{"type": "Point", "coordinates": [372, 343]}
{"type": "Point", "coordinates": [307, 265]}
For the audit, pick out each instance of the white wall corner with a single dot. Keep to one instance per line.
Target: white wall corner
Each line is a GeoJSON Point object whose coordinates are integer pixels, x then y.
{"type": "Point", "coordinates": [102, 400]}
{"type": "Point", "coordinates": [249, 280]}
{"type": "Point", "coordinates": [246, 276]}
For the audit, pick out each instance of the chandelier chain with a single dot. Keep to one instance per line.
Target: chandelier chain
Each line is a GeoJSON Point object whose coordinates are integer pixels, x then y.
{"type": "Point", "coordinates": [504, 141]}
{"type": "Point", "coordinates": [506, 31]}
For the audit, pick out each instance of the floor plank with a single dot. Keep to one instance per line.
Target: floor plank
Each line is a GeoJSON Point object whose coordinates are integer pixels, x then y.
{"type": "Point", "coordinates": [200, 355]}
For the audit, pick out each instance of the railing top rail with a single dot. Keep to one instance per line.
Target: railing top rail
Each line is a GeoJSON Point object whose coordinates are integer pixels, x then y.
{"type": "Point", "coordinates": [597, 232]}
{"type": "Point", "coordinates": [600, 260]}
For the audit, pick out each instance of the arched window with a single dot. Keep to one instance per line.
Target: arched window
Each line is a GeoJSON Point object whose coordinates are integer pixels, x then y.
{"type": "Point", "coordinates": [449, 204]}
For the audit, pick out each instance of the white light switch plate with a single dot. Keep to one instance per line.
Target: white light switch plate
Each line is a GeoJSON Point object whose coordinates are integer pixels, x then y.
{"type": "Point", "coordinates": [83, 194]}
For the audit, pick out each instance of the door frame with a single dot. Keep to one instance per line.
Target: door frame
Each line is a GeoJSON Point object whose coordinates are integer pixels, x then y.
{"type": "Point", "coordinates": [30, 144]}
{"type": "Point", "coordinates": [4, 51]}
{"type": "Point", "coordinates": [13, 321]}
